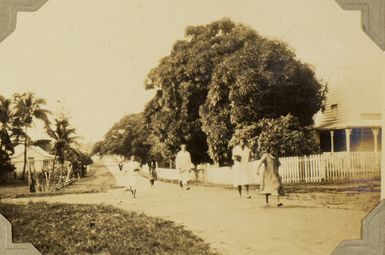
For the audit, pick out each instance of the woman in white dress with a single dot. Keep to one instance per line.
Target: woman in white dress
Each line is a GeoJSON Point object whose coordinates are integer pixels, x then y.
{"type": "Point", "coordinates": [241, 167]}
{"type": "Point", "coordinates": [131, 170]}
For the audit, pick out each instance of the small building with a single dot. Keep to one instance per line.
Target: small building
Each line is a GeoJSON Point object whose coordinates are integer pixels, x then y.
{"type": "Point", "coordinates": [37, 159]}
{"type": "Point", "coordinates": [351, 120]}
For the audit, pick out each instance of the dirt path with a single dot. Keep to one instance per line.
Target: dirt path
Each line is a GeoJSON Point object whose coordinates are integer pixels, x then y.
{"type": "Point", "coordinates": [233, 225]}
{"type": "Point", "coordinates": [98, 178]}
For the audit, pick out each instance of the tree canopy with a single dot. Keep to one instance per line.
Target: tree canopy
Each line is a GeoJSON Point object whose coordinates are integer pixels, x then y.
{"type": "Point", "coordinates": [223, 77]}
{"type": "Point", "coordinates": [129, 136]}
{"type": "Point", "coordinates": [63, 137]}
{"type": "Point", "coordinates": [17, 115]}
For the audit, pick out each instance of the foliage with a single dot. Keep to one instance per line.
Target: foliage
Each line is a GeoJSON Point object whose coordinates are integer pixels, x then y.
{"type": "Point", "coordinates": [93, 229]}
{"type": "Point", "coordinates": [65, 141]}
{"type": "Point", "coordinates": [262, 80]}
{"type": "Point", "coordinates": [63, 137]}
{"type": "Point", "coordinates": [28, 108]}
{"type": "Point", "coordinates": [5, 165]}
{"type": "Point", "coordinates": [223, 77]}
{"type": "Point", "coordinates": [17, 114]}
{"type": "Point", "coordinates": [45, 144]}
{"type": "Point", "coordinates": [285, 136]}
{"type": "Point", "coordinates": [6, 121]}
{"type": "Point", "coordinates": [182, 80]}
{"type": "Point", "coordinates": [129, 136]}
{"type": "Point", "coordinates": [8, 132]}
{"type": "Point", "coordinates": [79, 161]}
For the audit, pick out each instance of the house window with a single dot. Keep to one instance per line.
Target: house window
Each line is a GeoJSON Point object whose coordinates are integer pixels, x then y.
{"type": "Point", "coordinates": [31, 163]}
{"type": "Point", "coordinates": [334, 111]}
{"type": "Point", "coordinates": [46, 164]}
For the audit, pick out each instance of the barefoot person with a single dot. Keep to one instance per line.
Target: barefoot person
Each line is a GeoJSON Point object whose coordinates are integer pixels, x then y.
{"type": "Point", "coordinates": [241, 167]}
{"type": "Point", "coordinates": [271, 181]}
{"type": "Point", "coordinates": [183, 165]}
{"type": "Point", "coordinates": [131, 170]}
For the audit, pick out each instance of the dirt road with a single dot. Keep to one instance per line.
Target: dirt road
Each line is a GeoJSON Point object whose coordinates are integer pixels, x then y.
{"type": "Point", "coordinates": [233, 225]}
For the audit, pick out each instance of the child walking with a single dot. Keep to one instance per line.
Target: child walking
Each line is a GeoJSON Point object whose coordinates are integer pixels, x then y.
{"type": "Point", "coordinates": [131, 170]}
{"type": "Point", "coordinates": [271, 181]}
{"type": "Point", "coordinates": [152, 171]}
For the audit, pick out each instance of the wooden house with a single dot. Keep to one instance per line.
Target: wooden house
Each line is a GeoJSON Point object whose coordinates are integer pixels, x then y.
{"type": "Point", "coordinates": [351, 120]}
{"type": "Point", "coordinates": [37, 159]}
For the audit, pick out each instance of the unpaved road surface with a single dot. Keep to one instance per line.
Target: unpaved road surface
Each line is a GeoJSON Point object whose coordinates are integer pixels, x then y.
{"type": "Point", "coordinates": [306, 224]}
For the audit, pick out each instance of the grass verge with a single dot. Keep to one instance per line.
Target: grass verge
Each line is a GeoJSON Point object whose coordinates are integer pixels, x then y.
{"type": "Point", "coordinates": [94, 229]}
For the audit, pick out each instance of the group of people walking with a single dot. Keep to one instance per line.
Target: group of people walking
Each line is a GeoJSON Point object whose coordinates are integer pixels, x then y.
{"type": "Point", "coordinates": [270, 182]}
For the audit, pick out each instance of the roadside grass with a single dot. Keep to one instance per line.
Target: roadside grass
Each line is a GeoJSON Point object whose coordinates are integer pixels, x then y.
{"type": "Point", "coordinates": [97, 229]}
{"type": "Point", "coordinates": [14, 187]}
{"type": "Point", "coordinates": [92, 182]}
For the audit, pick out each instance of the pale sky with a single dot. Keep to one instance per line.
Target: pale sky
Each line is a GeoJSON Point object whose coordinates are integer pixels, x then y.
{"type": "Point", "coordinates": [93, 55]}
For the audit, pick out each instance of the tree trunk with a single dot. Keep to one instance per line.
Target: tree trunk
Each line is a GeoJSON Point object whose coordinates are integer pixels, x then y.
{"type": "Point", "coordinates": [1, 177]}
{"type": "Point", "coordinates": [69, 173]}
{"type": "Point", "coordinates": [54, 164]}
{"type": "Point", "coordinates": [2, 141]}
{"type": "Point", "coordinates": [53, 169]}
{"type": "Point", "coordinates": [37, 183]}
{"type": "Point", "coordinates": [33, 179]}
{"type": "Point", "coordinates": [25, 158]}
{"type": "Point", "coordinates": [61, 172]}
{"type": "Point", "coordinates": [47, 178]}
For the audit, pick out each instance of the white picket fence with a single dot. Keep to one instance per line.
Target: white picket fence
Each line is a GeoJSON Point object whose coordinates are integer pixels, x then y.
{"type": "Point", "coordinates": [337, 166]}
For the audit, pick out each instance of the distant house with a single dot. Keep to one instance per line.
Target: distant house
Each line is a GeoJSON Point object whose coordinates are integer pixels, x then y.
{"type": "Point", "coordinates": [351, 120]}
{"type": "Point", "coordinates": [37, 159]}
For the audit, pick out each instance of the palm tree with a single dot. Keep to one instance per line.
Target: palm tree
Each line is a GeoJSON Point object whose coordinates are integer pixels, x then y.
{"type": "Point", "coordinates": [6, 119]}
{"type": "Point", "coordinates": [6, 145]}
{"type": "Point", "coordinates": [63, 137]}
{"type": "Point", "coordinates": [27, 109]}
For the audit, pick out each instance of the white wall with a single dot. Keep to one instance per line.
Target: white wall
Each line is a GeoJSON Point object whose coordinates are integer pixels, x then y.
{"type": "Point", "coordinates": [207, 174]}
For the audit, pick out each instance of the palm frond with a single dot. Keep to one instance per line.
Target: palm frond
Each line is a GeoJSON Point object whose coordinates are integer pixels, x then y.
{"type": "Point", "coordinates": [42, 114]}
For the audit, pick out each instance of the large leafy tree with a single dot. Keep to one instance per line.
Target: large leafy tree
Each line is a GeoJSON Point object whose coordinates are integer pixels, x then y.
{"type": "Point", "coordinates": [28, 108]}
{"type": "Point", "coordinates": [182, 80]}
{"type": "Point", "coordinates": [262, 80]}
{"type": "Point", "coordinates": [129, 136]}
{"type": "Point", "coordinates": [222, 77]}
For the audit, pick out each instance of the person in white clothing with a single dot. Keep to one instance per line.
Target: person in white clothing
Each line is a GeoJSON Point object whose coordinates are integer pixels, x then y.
{"type": "Point", "coordinates": [183, 165]}
{"type": "Point", "coordinates": [241, 167]}
{"type": "Point", "coordinates": [131, 170]}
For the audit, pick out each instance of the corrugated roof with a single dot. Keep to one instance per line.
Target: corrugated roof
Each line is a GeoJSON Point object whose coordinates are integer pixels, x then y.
{"type": "Point", "coordinates": [19, 150]}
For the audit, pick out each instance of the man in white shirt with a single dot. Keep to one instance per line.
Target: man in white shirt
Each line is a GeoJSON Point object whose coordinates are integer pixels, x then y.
{"type": "Point", "coordinates": [183, 165]}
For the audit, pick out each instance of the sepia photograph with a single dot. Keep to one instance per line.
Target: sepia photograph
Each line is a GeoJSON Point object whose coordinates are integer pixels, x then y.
{"type": "Point", "coordinates": [189, 127]}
